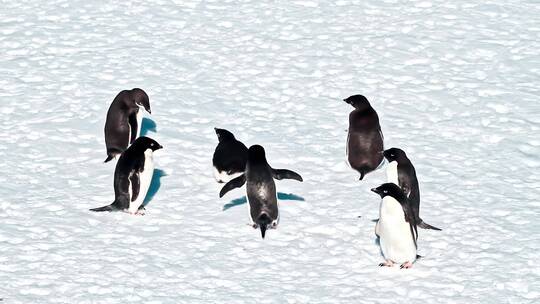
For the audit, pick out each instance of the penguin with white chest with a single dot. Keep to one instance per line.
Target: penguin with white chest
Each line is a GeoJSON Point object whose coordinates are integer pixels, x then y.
{"type": "Point", "coordinates": [260, 189]}
{"type": "Point", "coordinates": [124, 119]}
{"type": "Point", "coordinates": [365, 139]}
{"type": "Point", "coordinates": [396, 227]}
{"type": "Point", "coordinates": [132, 177]}
{"type": "Point", "coordinates": [401, 172]}
{"type": "Point", "coordinates": [229, 158]}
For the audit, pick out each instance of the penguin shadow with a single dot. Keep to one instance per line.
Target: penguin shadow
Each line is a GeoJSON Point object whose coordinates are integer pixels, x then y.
{"type": "Point", "coordinates": [281, 196]}
{"type": "Point", "coordinates": [155, 184]}
{"type": "Point", "coordinates": [147, 125]}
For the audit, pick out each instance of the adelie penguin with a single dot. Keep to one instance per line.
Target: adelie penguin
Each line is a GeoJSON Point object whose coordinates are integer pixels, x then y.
{"type": "Point", "coordinates": [396, 227]}
{"type": "Point", "coordinates": [124, 120]}
{"type": "Point", "coordinates": [400, 171]}
{"type": "Point", "coordinates": [132, 177]}
{"type": "Point", "coordinates": [229, 158]}
{"type": "Point", "coordinates": [260, 189]}
{"type": "Point", "coordinates": [365, 138]}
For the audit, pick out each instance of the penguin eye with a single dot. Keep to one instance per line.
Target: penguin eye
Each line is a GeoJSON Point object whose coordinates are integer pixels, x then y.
{"type": "Point", "coordinates": [385, 191]}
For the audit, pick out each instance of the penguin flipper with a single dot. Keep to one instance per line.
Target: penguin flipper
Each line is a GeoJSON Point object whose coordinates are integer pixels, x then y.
{"type": "Point", "coordinates": [134, 127]}
{"type": "Point", "coordinates": [424, 225]}
{"type": "Point", "coordinates": [409, 218]}
{"type": "Point", "coordinates": [234, 183]}
{"type": "Point", "coordinates": [135, 185]}
{"type": "Point", "coordinates": [286, 174]}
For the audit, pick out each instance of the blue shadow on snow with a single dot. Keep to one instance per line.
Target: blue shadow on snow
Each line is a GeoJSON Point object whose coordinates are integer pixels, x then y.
{"type": "Point", "coordinates": [280, 196]}
{"type": "Point", "coordinates": [155, 184]}
{"type": "Point", "coordinates": [147, 124]}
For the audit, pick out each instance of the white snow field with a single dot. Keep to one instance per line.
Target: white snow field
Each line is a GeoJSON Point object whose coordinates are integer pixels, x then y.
{"type": "Point", "coordinates": [455, 83]}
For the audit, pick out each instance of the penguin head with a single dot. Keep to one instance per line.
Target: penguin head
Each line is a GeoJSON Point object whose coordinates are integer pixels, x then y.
{"type": "Point", "coordinates": [141, 99]}
{"type": "Point", "coordinates": [264, 222]}
{"type": "Point", "coordinates": [389, 189]}
{"type": "Point", "coordinates": [144, 143]}
{"type": "Point", "coordinates": [358, 102]}
{"type": "Point", "coordinates": [223, 135]}
{"type": "Point", "coordinates": [256, 153]}
{"type": "Point", "coordinates": [394, 154]}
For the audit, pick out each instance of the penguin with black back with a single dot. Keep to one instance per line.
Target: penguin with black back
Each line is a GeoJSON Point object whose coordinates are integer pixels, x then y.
{"type": "Point", "coordinates": [132, 177]}
{"type": "Point", "coordinates": [400, 171]}
{"type": "Point", "coordinates": [229, 158]}
{"type": "Point", "coordinates": [260, 189]}
{"type": "Point", "coordinates": [396, 227]}
{"type": "Point", "coordinates": [124, 119]}
{"type": "Point", "coordinates": [365, 139]}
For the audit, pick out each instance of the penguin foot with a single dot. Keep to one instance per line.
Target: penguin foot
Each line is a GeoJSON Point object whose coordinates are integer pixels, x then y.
{"type": "Point", "coordinates": [387, 263]}
{"type": "Point", "coordinates": [406, 265]}
{"type": "Point", "coordinates": [139, 212]}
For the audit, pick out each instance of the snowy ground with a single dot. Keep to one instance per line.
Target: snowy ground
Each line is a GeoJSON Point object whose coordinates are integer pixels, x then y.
{"type": "Point", "coordinates": [455, 85]}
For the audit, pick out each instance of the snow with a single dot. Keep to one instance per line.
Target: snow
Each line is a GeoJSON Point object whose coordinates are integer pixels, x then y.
{"type": "Point", "coordinates": [455, 85]}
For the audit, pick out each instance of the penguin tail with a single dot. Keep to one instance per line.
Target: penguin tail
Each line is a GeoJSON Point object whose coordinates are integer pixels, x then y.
{"type": "Point", "coordinates": [112, 153]}
{"type": "Point", "coordinates": [263, 221]}
{"type": "Point", "coordinates": [362, 174]}
{"type": "Point", "coordinates": [102, 209]}
{"type": "Point", "coordinates": [263, 230]}
{"type": "Point", "coordinates": [424, 225]}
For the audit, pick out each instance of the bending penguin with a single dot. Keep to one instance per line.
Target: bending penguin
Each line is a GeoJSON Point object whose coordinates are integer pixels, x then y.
{"type": "Point", "coordinates": [396, 227]}
{"type": "Point", "coordinates": [132, 177]}
{"type": "Point", "coordinates": [400, 171]}
{"type": "Point", "coordinates": [365, 138]}
{"type": "Point", "coordinates": [124, 120]}
{"type": "Point", "coordinates": [229, 158]}
{"type": "Point", "coordinates": [260, 189]}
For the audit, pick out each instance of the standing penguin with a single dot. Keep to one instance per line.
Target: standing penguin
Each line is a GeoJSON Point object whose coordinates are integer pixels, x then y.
{"type": "Point", "coordinates": [260, 189]}
{"type": "Point", "coordinates": [132, 176]}
{"type": "Point", "coordinates": [124, 120]}
{"type": "Point", "coordinates": [400, 171]}
{"type": "Point", "coordinates": [365, 138]}
{"type": "Point", "coordinates": [396, 227]}
{"type": "Point", "coordinates": [229, 158]}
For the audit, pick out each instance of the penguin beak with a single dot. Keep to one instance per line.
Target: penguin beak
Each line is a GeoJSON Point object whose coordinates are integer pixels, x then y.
{"type": "Point", "coordinates": [375, 190]}
{"type": "Point", "coordinates": [149, 111]}
{"type": "Point", "coordinates": [160, 147]}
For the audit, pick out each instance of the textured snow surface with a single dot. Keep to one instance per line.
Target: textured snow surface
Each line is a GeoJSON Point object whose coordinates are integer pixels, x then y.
{"type": "Point", "coordinates": [456, 85]}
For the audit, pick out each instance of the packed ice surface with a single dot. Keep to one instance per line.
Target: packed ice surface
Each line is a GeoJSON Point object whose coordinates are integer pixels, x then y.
{"type": "Point", "coordinates": [455, 84]}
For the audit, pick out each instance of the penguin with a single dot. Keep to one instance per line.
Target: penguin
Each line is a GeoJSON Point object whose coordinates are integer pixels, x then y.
{"type": "Point", "coordinates": [260, 189]}
{"type": "Point", "coordinates": [365, 138]}
{"type": "Point", "coordinates": [400, 171]}
{"type": "Point", "coordinates": [229, 158]}
{"type": "Point", "coordinates": [124, 118]}
{"type": "Point", "coordinates": [132, 176]}
{"type": "Point", "coordinates": [396, 227]}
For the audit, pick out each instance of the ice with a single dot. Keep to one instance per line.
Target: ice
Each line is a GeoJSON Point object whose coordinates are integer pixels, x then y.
{"type": "Point", "coordinates": [455, 85]}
